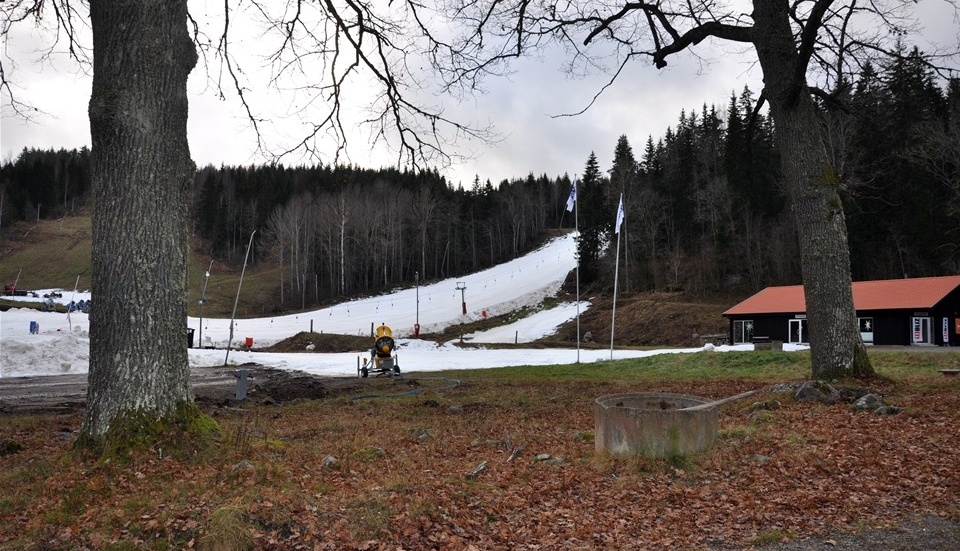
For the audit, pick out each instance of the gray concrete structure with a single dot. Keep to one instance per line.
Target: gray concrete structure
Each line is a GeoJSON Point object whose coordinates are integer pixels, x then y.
{"type": "Point", "coordinates": [654, 424]}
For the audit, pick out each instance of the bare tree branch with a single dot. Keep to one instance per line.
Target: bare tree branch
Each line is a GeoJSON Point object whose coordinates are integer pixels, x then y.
{"type": "Point", "coordinates": [808, 40]}
{"type": "Point", "coordinates": [65, 27]}
{"type": "Point", "coordinates": [698, 34]}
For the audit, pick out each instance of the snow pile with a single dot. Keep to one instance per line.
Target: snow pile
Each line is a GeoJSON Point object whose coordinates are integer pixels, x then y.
{"type": "Point", "coordinates": [531, 328]}
{"type": "Point", "coordinates": [55, 349]}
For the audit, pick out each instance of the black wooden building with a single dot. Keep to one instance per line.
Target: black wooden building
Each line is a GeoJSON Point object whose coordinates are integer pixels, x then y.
{"type": "Point", "coordinates": [915, 311]}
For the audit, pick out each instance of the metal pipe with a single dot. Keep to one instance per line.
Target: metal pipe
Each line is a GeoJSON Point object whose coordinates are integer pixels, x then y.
{"type": "Point", "coordinates": [716, 403]}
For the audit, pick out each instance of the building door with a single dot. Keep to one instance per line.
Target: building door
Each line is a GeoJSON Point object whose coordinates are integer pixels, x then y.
{"type": "Point", "coordinates": [921, 331]}
{"type": "Point", "coordinates": [798, 331]}
{"type": "Point", "coordinates": [742, 331]}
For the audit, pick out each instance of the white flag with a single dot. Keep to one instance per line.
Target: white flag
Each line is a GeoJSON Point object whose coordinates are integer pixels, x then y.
{"type": "Point", "coordinates": [620, 215]}
{"type": "Point", "coordinates": [573, 197]}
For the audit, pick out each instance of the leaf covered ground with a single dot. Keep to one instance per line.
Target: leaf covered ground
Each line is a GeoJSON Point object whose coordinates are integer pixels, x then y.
{"type": "Point", "coordinates": [492, 460]}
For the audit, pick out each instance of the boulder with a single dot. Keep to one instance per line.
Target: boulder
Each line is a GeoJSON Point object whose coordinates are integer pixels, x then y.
{"type": "Point", "coordinates": [868, 402]}
{"type": "Point", "coordinates": [765, 405]}
{"type": "Point", "coordinates": [888, 410]}
{"type": "Point", "coordinates": [817, 391]}
{"type": "Point", "coordinates": [784, 388]}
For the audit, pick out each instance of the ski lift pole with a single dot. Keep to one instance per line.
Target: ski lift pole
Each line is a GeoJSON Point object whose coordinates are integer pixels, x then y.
{"type": "Point", "coordinates": [203, 300]}
{"type": "Point", "coordinates": [462, 287]}
{"type": "Point", "coordinates": [72, 299]}
{"type": "Point", "coordinates": [237, 300]}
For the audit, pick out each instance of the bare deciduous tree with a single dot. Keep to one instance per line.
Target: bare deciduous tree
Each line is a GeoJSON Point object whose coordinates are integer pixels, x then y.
{"type": "Point", "coordinates": [143, 52]}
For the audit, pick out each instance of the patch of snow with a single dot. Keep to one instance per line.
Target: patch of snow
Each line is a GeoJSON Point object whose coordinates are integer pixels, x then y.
{"type": "Point", "coordinates": [62, 343]}
{"type": "Point", "coordinates": [531, 328]}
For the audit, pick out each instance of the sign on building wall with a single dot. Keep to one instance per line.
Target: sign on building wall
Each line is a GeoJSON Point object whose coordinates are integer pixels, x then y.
{"type": "Point", "coordinates": [946, 331]}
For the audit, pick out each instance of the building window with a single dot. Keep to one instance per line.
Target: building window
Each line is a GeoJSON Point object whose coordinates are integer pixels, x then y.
{"type": "Point", "coordinates": [866, 329]}
{"type": "Point", "coordinates": [742, 331]}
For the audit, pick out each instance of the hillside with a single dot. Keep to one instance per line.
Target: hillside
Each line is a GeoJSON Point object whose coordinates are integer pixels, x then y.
{"type": "Point", "coordinates": [52, 254]}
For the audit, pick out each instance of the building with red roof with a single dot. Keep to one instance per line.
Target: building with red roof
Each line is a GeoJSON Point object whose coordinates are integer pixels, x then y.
{"type": "Point", "coordinates": [923, 310]}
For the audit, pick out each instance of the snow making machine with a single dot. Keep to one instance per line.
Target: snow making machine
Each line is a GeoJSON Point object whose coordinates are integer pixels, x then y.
{"type": "Point", "coordinates": [383, 356]}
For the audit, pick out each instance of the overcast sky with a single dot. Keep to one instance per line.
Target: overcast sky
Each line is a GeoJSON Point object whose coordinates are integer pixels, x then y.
{"type": "Point", "coordinates": [644, 101]}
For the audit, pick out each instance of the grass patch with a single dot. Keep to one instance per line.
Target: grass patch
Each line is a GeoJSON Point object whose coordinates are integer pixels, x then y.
{"type": "Point", "coordinates": [369, 453]}
{"type": "Point", "coordinates": [8, 446]}
{"type": "Point", "coordinates": [63, 243]}
{"type": "Point", "coordinates": [695, 366]}
{"type": "Point", "coordinates": [183, 432]}
{"type": "Point", "coordinates": [227, 529]}
{"type": "Point", "coordinates": [367, 517]}
{"type": "Point", "coordinates": [768, 537]}
{"type": "Point", "coordinates": [737, 432]}
{"type": "Point", "coordinates": [584, 436]}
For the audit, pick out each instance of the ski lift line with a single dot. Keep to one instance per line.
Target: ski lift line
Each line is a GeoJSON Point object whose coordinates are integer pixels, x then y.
{"type": "Point", "coordinates": [473, 280]}
{"type": "Point", "coordinates": [518, 264]}
{"type": "Point", "coordinates": [453, 383]}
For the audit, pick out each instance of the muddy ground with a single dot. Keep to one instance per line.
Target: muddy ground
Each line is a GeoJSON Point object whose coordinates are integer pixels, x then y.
{"type": "Point", "coordinates": [212, 386]}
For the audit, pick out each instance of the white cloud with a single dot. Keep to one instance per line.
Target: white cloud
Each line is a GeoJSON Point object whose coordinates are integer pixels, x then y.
{"type": "Point", "coordinates": [643, 102]}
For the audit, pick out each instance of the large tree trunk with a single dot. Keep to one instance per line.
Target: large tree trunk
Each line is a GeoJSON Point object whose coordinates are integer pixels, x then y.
{"type": "Point", "coordinates": [837, 350]}
{"type": "Point", "coordinates": [141, 171]}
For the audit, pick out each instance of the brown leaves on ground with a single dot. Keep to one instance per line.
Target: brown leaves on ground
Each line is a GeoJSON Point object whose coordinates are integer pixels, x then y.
{"type": "Point", "coordinates": [390, 473]}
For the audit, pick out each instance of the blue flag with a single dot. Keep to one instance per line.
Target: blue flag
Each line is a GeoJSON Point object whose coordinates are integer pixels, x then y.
{"type": "Point", "coordinates": [573, 197]}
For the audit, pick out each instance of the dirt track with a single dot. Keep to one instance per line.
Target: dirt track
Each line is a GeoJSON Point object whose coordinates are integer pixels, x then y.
{"type": "Point", "coordinates": [212, 386]}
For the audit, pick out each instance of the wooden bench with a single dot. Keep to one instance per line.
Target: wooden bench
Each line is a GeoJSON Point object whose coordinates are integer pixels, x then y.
{"type": "Point", "coordinates": [950, 372]}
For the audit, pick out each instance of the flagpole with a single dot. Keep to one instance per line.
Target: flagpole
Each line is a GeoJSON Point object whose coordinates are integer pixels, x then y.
{"type": "Point", "coordinates": [572, 205]}
{"type": "Point", "coordinates": [616, 277]}
{"type": "Point", "coordinates": [616, 273]}
{"type": "Point", "coordinates": [576, 225]}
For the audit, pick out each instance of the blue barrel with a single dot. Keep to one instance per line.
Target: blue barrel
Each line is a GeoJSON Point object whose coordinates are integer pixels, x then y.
{"type": "Point", "coordinates": [34, 328]}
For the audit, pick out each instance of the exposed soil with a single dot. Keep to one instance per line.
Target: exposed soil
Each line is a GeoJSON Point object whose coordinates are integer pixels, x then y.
{"type": "Point", "coordinates": [212, 387]}
{"type": "Point", "coordinates": [320, 342]}
{"type": "Point", "coordinates": [652, 319]}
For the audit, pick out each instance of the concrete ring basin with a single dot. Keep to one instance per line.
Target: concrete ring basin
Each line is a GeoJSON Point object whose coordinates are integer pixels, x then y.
{"type": "Point", "coordinates": [654, 424]}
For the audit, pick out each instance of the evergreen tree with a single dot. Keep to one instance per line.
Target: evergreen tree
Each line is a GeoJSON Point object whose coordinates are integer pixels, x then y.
{"type": "Point", "coordinates": [594, 220]}
{"type": "Point", "coordinates": [623, 178]}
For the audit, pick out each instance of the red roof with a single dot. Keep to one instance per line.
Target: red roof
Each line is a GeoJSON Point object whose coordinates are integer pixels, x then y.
{"type": "Point", "coordinates": [886, 294]}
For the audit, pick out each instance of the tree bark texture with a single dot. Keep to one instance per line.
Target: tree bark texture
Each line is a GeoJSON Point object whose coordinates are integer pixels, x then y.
{"type": "Point", "coordinates": [141, 171]}
{"type": "Point", "coordinates": [837, 350]}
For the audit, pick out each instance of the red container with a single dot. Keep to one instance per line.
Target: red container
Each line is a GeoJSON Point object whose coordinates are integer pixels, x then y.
{"type": "Point", "coordinates": [248, 342]}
